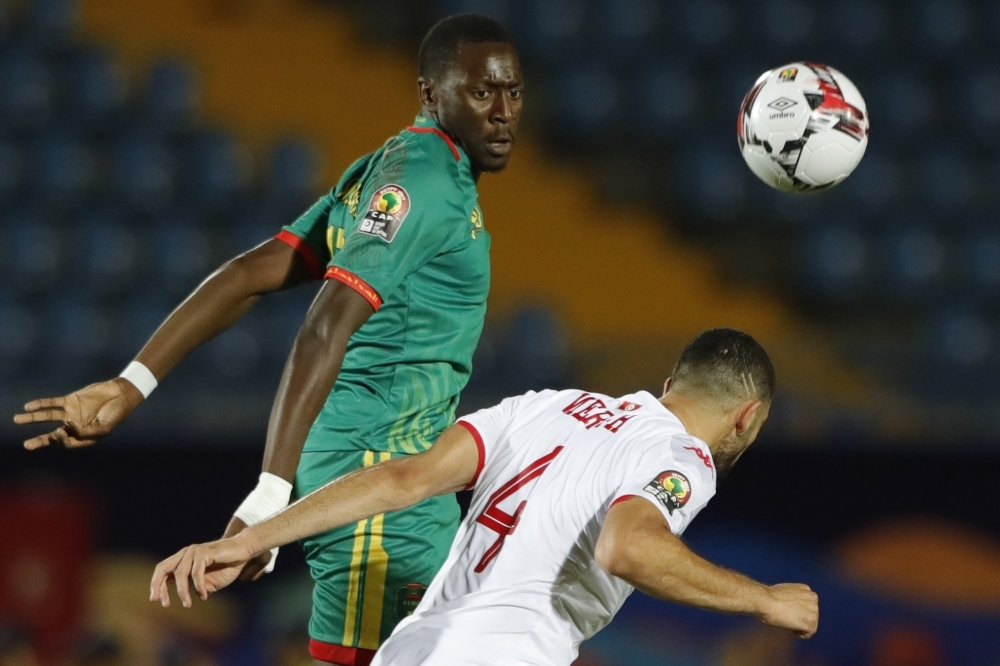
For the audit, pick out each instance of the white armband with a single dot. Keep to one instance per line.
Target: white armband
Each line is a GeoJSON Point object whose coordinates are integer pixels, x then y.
{"type": "Point", "coordinates": [140, 377]}
{"type": "Point", "coordinates": [269, 497]}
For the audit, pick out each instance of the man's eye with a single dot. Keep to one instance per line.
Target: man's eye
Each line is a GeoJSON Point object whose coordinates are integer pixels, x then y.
{"type": "Point", "coordinates": [516, 94]}
{"type": "Point", "coordinates": [481, 94]}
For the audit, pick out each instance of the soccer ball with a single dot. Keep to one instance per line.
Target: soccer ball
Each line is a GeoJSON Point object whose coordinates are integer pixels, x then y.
{"type": "Point", "coordinates": [803, 127]}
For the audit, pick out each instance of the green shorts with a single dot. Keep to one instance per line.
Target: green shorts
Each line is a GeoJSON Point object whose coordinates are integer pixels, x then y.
{"type": "Point", "coordinates": [370, 575]}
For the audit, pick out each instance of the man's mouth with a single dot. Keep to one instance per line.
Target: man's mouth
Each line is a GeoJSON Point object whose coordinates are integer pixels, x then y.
{"type": "Point", "coordinates": [500, 147]}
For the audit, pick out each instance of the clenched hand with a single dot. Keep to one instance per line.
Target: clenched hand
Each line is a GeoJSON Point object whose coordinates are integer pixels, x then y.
{"type": "Point", "coordinates": [792, 606]}
{"type": "Point", "coordinates": [86, 415]}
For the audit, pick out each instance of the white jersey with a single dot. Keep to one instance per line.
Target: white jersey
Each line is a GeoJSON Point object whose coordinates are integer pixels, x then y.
{"type": "Point", "coordinates": [521, 585]}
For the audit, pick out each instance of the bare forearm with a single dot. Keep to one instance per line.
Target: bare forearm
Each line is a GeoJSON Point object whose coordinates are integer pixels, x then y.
{"type": "Point", "coordinates": [679, 575]}
{"type": "Point", "coordinates": [351, 498]}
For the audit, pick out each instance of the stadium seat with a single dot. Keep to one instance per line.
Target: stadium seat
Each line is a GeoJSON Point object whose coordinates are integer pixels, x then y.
{"type": "Point", "coordinates": [834, 262]}
{"type": "Point", "coordinates": [979, 260]}
{"type": "Point", "coordinates": [26, 90]}
{"type": "Point", "coordinates": [106, 252]}
{"type": "Point", "coordinates": [172, 99]}
{"type": "Point", "coordinates": [859, 25]}
{"type": "Point", "coordinates": [536, 351]}
{"type": "Point", "coordinates": [712, 180]}
{"type": "Point", "coordinates": [294, 177]}
{"type": "Point", "coordinates": [254, 225]}
{"type": "Point", "coordinates": [629, 28]}
{"type": "Point", "coordinates": [53, 22]}
{"type": "Point", "coordinates": [947, 179]}
{"type": "Point", "coordinates": [95, 89]}
{"type": "Point", "coordinates": [76, 330]}
{"type": "Point", "coordinates": [587, 97]}
{"type": "Point", "coordinates": [180, 253]}
{"type": "Point", "coordinates": [787, 23]}
{"type": "Point", "coordinates": [914, 264]}
{"type": "Point", "coordinates": [12, 168]}
{"type": "Point", "coordinates": [498, 9]}
{"type": "Point", "coordinates": [218, 169]}
{"type": "Point", "coordinates": [18, 334]}
{"type": "Point", "coordinates": [707, 24]}
{"type": "Point", "coordinates": [942, 24]}
{"type": "Point", "coordinates": [145, 169]}
{"type": "Point", "coordinates": [550, 30]}
{"type": "Point", "coordinates": [663, 98]}
{"type": "Point", "coordinates": [34, 250]}
{"type": "Point", "coordinates": [64, 169]}
{"type": "Point", "coordinates": [237, 352]}
{"type": "Point", "coordinates": [904, 100]}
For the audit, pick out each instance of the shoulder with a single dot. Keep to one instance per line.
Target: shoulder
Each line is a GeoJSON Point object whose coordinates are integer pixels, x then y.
{"type": "Point", "coordinates": [431, 162]}
{"type": "Point", "coordinates": [694, 457]}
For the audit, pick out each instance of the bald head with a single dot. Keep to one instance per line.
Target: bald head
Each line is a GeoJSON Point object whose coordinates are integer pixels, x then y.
{"type": "Point", "coordinates": [726, 366]}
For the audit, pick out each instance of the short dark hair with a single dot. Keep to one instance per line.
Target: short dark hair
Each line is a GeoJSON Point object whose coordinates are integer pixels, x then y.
{"type": "Point", "coordinates": [727, 366]}
{"type": "Point", "coordinates": [439, 47]}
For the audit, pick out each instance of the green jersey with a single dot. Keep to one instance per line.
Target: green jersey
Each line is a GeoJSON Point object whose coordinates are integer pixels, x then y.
{"type": "Point", "coordinates": [404, 229]}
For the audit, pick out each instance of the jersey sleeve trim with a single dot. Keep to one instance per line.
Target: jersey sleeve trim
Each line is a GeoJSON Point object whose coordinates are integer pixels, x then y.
{"type": "Point", "coordinates": [621, 499]}
{"type": "Point", "coordinates": [355, 283]}
{"type": "Point", "coordinates": [482, 452]}
{"type": "Point", "coordinates": [305, 251]}
{"type": "Point", "coordinates": [435, 130]}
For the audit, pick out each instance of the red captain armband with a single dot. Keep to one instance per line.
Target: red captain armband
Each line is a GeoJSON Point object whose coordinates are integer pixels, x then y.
{"type": "Point", "coordinates": [306, 252]}
{"type": "Point", "coordinates": [482, 452]}
{"type": "Point", "coordinates": [355, 283]}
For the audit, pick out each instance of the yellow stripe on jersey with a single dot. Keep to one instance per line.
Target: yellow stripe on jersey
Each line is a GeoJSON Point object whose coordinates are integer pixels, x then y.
{"type": "Point", "coordinates": [354, 583]}
{"type": "Point", "coordinates": [375, 573]}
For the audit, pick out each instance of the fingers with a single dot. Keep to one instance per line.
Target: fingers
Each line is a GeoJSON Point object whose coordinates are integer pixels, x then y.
{"type": "Point", "coordinates": [45, 403]}
{"type": "Point", "coordinates": [40, 416]}
{"type": "Point", "coordinates": [40, 441]}
{"type": "Point", "coordinates": [201, 561]}
{"type": "Point", "coordinates": [158, 589]}
{"type": "Point", "coordinates": [181, 574]}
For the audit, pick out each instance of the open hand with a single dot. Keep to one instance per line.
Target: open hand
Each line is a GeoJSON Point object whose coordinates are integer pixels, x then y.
{"type": "Point", "coordinates": [792, 606]}
{"type": "Point", "coordinates": [86, 415]}
{"type": "Point", "coordinates": [210, 567]}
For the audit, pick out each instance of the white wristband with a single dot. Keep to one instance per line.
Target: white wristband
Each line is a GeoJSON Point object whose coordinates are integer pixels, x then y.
{"type": "Point", "coordinates": [140, 377]}
{"type": "Point", "coordinates": [269, 497]}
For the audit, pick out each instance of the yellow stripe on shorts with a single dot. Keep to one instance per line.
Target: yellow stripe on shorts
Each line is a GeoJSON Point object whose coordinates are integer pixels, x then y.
{"type": "Point", "coordinates": [375, 573]}
{"type": "Point", "coordinates": [354, 584]}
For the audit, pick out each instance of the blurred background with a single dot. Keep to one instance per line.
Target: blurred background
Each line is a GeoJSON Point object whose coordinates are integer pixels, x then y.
{"type": "Point", "coordinates": [142, 143]}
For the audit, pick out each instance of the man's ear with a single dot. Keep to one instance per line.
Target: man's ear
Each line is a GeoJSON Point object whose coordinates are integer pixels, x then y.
{"type": "Point", "coordinates": [745, 415]}
{"type": "Point", "coordinates": [427, 92]}
{"type": "Point", "coordinates": [667, 384]}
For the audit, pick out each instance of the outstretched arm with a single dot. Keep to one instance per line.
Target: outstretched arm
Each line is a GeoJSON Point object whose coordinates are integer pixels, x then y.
{"type": "Point", "coordinates": [446, 467]}
{"type": "Point", "coordinates": [636, 544]}
{"type": "Point", "coordinates": [220, 301]}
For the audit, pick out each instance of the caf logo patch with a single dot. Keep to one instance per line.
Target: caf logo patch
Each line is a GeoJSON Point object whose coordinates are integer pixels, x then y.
{"type": "Point", "coordinates": [671, 489]}
{"type": "Point", "coordinates": [385, 215]}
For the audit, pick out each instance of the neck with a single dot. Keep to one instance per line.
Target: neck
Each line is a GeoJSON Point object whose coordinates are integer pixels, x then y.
{"type": "Point", "coordinates": [705, 425]}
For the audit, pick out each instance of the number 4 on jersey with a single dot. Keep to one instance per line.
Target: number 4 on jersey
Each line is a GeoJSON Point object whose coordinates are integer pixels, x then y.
{"type": "Point", "coordinates": [500, 521]}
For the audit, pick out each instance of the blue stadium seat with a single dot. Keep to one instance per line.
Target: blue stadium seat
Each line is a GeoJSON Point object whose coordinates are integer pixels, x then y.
{"type": "Point", "coordinates": [253, 226]}
{"type": "Point", "coordinates": [942, 24]}
{"type": "Point", "coordinates": [662, 99]}
{"type": "Point", "coordinates": [64, 168]}
{"type": "Point", "coordinates": [834, 261]}
{"type": "Point", "coordinates": [106, 251]}
{"type": "Point", "coordinates": [145, 170]}
{"type": "Point", "coordinates": [962, 350]}
{"type": "Point", "coordinates": [26, 90]}
{"type": "Point", "coordinates": [787, 23]}
{"type": "Point", "coordinates": [12, 169]}
{"type": "Point", "coordinates": [628, 27]}
{"type": "Point", "coordinates": [237, 352]}
{"type": "Point", "coordinates": [295, 172]}
{"type": "Point", "coordinates": [587, 97]}
{"type": "Point", "coordinates": [947, 179]}
{"type": "Point", "coordinates": [53, 22]}
{"type": "Point", "coordinates": [219, 170]}
{"type": "Point", "coordinates": [536, 351]}
{"type": "Point", "coordinates": [282, 315]}
{"type": "Point", "coordinates": [34, 251]}
{"type": "Point", "coordinates": [550, 29]}
{"type": "Point", "coordinates": [95, 88]}
{"type": "Point", "coordinates": [76, 330]}
{"type": "Point", "coordinates": [180, 252]}
{"type": "Point", "coordinates": [980, 106]}
{"type": "Point", "coordinates": [914, 264]}
{"type": "Point", "coordinates": [172, 98]}
{"type": "Point", "coordinates": [877, 182]}
{"type": "Point", "coordinates": [713, 180]}
{"type": "Point", "coordinates": [140, 316]}
{"type": "Point", "coordinates": [707, 24]}
{"type": "Point", "coordinates": [979, 260]}
{"type": "Point", "coordinates": [858, 25]}
{"type": "Point", "coordinates": [19, 329]}
{"type": "Point", "coordinates": [903, 99]}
